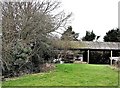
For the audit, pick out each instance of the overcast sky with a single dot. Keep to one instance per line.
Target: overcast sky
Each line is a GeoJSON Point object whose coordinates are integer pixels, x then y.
{"type": "Point", "coordinates": [97, 15]}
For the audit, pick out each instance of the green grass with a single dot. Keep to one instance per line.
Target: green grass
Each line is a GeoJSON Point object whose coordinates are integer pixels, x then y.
{"type": "Point", "coordinates": [70, 75]}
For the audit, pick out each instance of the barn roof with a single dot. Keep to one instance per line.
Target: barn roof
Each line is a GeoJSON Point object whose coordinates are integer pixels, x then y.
{"type": "Point", "coordinates": [88, 45]}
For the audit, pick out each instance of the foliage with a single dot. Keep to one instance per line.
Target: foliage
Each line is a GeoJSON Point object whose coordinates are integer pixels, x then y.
{"type": "Point", "coordinates": [90, 36]}
{"type": "Point", "coordinates": [99, 57]}
{"type": "Point", "coordinates": [69, 34]}
{"type": "Point", "coordinates": [112, 35]}
{"type": "Point", "coordinates": [26, 27]}
{"type": "Point", "coordinates": [70, 75]}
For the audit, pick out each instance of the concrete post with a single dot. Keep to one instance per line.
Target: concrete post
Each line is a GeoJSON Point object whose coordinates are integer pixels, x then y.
{"type": "Point", "coordinates": [111, 58]}
{"type": "Point", "coordinates": [88, 57]}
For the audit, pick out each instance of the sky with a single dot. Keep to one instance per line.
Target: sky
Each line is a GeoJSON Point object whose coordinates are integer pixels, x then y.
{"type": "Point", "coordinates": [97, 15]}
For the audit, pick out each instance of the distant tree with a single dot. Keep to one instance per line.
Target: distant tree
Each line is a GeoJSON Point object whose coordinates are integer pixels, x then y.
{"type": "Point", "coordinates": [90, 36]}
{"type": "Point", "coordinates": [69, 34]}
{"type": "Point", "coordinates": [112, 35]}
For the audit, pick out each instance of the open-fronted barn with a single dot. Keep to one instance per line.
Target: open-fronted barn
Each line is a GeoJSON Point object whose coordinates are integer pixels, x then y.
{"type": "Point", "coordinates": [89, 46]}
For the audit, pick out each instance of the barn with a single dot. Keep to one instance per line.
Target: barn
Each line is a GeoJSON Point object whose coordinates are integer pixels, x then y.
{"type": "Point", "coordinates": [89, 46]}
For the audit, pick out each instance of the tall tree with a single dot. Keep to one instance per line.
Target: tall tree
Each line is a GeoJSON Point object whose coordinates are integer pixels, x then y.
{"type": "Point", "coordinates": [27, 25]}
{"type": "Point", "coordinates": [69, 34]}
{"type": "Point", "coordinates": [90, 36]}
{"type": "Point", "coordinates": [112, 35]}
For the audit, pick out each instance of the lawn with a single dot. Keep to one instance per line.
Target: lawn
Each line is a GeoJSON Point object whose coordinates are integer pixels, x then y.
{"type": "Point", "coordinates": [70, 75]}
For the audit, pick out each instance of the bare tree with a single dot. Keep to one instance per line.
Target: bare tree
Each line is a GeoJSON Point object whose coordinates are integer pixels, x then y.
{"type": "Point", "coordinates": [24, 23]}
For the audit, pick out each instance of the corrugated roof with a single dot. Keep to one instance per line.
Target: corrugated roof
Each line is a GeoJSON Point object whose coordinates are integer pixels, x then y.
{"type": "Point", "coordinates": [88, 45]}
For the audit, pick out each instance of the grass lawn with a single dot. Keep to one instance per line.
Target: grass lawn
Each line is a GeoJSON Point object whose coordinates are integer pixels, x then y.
{"type": "Point", "coordinates": [70, 75]}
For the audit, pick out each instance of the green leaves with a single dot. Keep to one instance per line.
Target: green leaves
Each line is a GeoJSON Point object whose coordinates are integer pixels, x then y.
{"type": "Point", "coordinates": [112, 35]}
{"type": "Point", "coordinates": [69, 34]}
{"type": "Point", "coordinates": [90, 36]}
